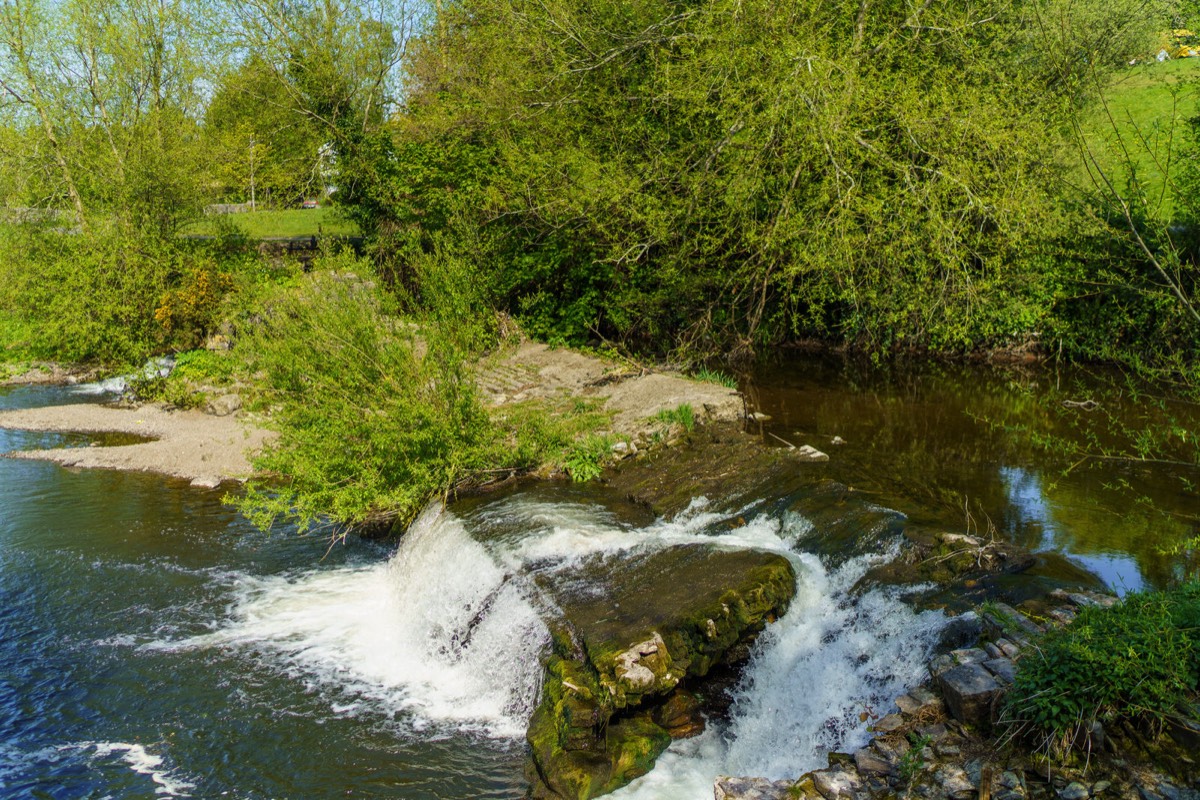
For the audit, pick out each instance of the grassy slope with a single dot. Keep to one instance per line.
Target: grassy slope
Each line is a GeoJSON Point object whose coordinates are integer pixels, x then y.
{"type": "Point", "coordinates": [283, 222]}
{"type": "Point", "coordinates": [1147, 106]}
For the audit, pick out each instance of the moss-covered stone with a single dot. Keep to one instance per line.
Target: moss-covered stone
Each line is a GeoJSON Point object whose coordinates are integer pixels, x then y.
{"type": "Point", "coordinates": [642, 627]}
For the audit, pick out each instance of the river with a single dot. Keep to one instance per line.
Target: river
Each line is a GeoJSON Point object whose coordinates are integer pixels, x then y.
{"type": "Point", "coordinates": [154, 644]}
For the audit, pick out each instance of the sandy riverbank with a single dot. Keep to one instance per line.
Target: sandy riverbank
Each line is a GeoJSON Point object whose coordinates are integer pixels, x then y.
{"type": "Point", "coordinates": [198, 447]}
{"type": "Point", "coordinates": [207, 449]}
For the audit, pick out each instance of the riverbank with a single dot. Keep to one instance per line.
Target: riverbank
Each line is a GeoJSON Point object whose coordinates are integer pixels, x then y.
{"type": "Point", "coordinates": [198, 447]}
{"type": "Point", "coordinates": [219, 443]}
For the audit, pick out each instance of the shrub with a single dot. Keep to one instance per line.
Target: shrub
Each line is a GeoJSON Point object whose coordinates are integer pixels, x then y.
{"type": "Point", "coordinates": [1135, 661]}
{"type": "Point", "coordinates": [373, 421]}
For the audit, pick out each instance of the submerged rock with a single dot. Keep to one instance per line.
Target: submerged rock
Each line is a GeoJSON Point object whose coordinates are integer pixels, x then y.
{"type": "Point", "coordinates": [613, 694]}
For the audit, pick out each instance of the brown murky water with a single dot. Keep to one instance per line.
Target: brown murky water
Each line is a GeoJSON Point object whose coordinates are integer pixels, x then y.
{"type": "Point", "coordinates": [972, 446]}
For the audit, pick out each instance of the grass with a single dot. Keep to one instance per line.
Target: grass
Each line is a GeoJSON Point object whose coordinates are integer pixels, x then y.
{"type": "Point", "coordinates": [713, 376]}
{"type": "Point", "coordinates": [1147, 108]}
{"type": "Point", "coordinates": [683, 415]}
{"type": "Point", "coordinates": [325, 220]}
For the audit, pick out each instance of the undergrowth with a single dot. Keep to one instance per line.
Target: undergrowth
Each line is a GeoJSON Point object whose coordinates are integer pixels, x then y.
{"type": "Point", "coordinates": [378, 412]}
{"type": "Point", "coordinates": [1132, 663]}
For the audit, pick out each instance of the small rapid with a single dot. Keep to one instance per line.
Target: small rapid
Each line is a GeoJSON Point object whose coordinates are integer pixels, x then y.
{"type": "Point", "coordinates": [447, 635]}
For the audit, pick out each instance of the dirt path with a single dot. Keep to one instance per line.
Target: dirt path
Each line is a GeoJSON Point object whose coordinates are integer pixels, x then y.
{"type": "Point", "coordinates": [199, 447]}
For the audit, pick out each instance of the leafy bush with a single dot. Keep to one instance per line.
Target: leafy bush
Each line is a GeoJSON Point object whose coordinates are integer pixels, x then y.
{"type": "Point", "coordinates": [89, 297]}
{"type": "Point", "coordinates": [585, 459]}
{"type": "Point", "coordinates": [113, 296]}
{"type": "Point", "coordinates": [1135, 661]}
{"type": "Point", "coordinates": [372, 421]}
{"type": "Point", "coordinates": [181, 388]}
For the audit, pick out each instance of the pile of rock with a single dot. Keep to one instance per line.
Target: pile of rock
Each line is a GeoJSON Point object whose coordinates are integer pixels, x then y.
{"type": "Point", "coordinates": [936, 745]}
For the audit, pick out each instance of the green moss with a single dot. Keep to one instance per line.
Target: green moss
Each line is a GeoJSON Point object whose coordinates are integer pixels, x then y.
{"type": "Point", "coordinates": [681, 612]}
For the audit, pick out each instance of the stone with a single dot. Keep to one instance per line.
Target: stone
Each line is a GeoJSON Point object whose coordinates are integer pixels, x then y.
{"type": "Point", "coordinates": [1009, 794]}
{"type": "Point", "coordinates": [837, 440]}
{"type": "Point", "coordinates": [948, 750]}
{"type": "Point", "coordinates": [1074, 791]}
{"type": "Point", "coordinates": [962, 631]}
{"type": "Point", "coordinates": [941, 664]}
{"type": "Point", "coordinates": [955, 783]}
{"type": "Point", "coordinates": [1010, 780]}
{"type": "Point", "coordinates": [924, 696]}
{"type": "Point", "coordinates": [892, 749]}
{"type": "Point", "coordinates": [969, 690]}
{"type": "Point", "coordinates": [1100, 787]}
{"type": "Point", "coordinates": [935, 732]}
{"type": "Point", "coordinates": [993, 650]}
{"type": "Point", "coordinates": [835, 783]}
{"type": "Point", "coordinates": [960, 539]}
{"type": "Point", "coordinates": [1004, 670]}
{"type": "Point", "coordinates": [970, 655]}
{"type": "Point", "coordinates": [680, 716]}
{"type": "Point", "coordinates": [1063, 616]}
{"type": "Point", "coordinates": [729, 788]}
{"type": "Point", "coordinates": [868, 761]}
{"type": "Point", "coordinates": [1009, 649]}
{"type": "Point", "coordinates": [1008, 619]}
{"type": "Point", "coordinates": [223, 405]}
{"type": "Point", "coordinates": [620, 649]}
{"type": "Point", "coordinates": [807, 452]}
{"type": "Point", "coordinates": [888, 724]}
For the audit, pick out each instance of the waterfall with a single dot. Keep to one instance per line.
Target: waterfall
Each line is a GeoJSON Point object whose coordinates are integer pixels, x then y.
{"type": "Point", "coordinates": [448, 635]}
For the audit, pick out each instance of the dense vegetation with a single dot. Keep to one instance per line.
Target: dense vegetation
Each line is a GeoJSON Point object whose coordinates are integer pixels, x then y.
{"type": "Point", "coordinates": [697, 180]}
{"type": "Point", "coordinates": [1137, 663]}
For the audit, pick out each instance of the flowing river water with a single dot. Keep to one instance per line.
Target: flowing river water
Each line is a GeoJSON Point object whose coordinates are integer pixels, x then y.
{"type": "Point", "coordinates": [152, 643]}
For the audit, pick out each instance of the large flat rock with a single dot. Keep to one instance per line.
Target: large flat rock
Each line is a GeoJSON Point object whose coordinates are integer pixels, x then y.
{"type": "Point", "coordinates": [632, 632]}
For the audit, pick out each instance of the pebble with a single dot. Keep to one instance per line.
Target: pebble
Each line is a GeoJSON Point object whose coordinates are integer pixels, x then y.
{"type": "Point", "coordinates": [1010, 780]}
{"type": "Point", "coordinates": [1074, 791]}
{"type": "Point", "coordinates": [955, 783]}
{"type": "Point", "coordinates": [889, 723]}
{"type": "Point", "coordinates": [1099, 787]}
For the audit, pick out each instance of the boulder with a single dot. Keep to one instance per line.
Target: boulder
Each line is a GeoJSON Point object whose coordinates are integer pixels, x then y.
{"type": "Point", "coordinates": [835, 784]}
{"type": "Point", "coordinates": [224, 405]}
{"type": "Point", "coordinates": [632, 630]}
{"type": "Point", "coordinates": [970, 691]}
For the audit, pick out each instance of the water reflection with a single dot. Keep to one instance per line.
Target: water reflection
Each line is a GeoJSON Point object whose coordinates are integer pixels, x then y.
{"type": "Point", "coordinates": [969, 447]}
{"type": "Point", "coordinates": [1032, 510]}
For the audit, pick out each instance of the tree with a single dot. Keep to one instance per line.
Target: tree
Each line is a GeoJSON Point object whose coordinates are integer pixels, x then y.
{"type": "Point", "coordinates": [255, 129]}
{"type": "Point", "coordinates": [739, 172]}
{"type": "Point", "coordinates": [115, 90]}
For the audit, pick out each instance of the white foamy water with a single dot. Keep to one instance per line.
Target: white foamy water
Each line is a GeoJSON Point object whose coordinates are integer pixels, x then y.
{"type": "Point", "coordinates": [440, 633]}
{"type": "Point", "coordinates": [155, 368]}
{"type": "Point", "coordinates": [96, 755]}
{"type": "Point", "coordinates": [834, 655]}
{"type": "Point", "coordinates": [447, 635]}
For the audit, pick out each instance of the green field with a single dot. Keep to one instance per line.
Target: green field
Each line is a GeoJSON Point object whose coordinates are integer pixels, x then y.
{"type": "Point", "coordinates": [1143, 122]}
{"type": "Point", "coordinates": [326, 220]}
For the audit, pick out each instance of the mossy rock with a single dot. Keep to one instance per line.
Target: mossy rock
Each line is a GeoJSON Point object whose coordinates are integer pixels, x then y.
{"type": "Point", "coordinates": [632, 630]}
